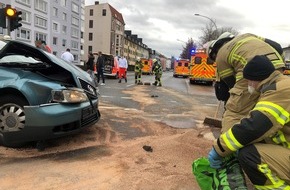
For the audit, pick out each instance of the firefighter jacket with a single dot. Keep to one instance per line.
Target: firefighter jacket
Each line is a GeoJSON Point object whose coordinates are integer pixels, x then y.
{"type": "Point", "coordinates": [267, 122]}
{"type": "Point", "coordinates": [138, 67]}
{"type": "Point", "coordinates": [157, 68]}
{"type": "Point", "coordinates": [235, 54]}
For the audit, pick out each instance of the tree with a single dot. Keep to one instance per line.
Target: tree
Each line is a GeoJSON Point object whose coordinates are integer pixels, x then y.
{"type": "Point", "coordinates": [186, 53]}
{"type": "Point", "coordinates": [210, 32]}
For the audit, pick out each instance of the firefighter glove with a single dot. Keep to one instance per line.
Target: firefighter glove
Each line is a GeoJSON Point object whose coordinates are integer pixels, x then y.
{"type": "Point", "coordinates": [215, 159]}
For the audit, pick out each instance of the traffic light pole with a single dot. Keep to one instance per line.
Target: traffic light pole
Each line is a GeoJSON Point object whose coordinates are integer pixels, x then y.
{"type": "Point", "coordinates": [8, 28]}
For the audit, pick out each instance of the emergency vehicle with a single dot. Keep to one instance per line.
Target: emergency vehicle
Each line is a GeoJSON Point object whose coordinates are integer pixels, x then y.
{"type": "Point", "coordinates": [202, 68]}
{"type": "Point", "coordinates": [111, 65]}
{"type": "Point", "coordinates": [181, 68]}
{"type": "Point", "coordinates": [287, 68]}
{"type": "Point", "coordinates": [147, 66]}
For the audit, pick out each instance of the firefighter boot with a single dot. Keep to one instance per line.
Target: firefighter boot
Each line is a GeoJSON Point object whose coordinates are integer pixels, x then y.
{"type": "Point", "coordinates": [119, 81]}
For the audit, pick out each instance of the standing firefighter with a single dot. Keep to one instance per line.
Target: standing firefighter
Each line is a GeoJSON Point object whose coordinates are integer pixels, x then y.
{"type": "Point", "coordinates": [138, 71]}
{"type": "Point", "coordinates": [157, 70]}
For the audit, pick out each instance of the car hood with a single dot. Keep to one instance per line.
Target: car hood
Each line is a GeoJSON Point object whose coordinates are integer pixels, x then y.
{"type": "Point", "coordinates": [45, 65]}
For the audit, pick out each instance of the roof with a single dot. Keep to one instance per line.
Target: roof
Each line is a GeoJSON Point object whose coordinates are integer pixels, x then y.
{"type": "Point", "coordinates": [116, 14]}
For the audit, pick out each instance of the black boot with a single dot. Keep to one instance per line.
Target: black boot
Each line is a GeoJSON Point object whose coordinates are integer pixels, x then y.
{"type": "Point", "coordinates": [120, 81]}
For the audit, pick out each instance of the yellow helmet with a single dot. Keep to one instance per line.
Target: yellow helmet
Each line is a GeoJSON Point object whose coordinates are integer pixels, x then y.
{"type": "Point", "coordinates": [138, 59]}
{"type": "Point", "coordinates": [154, 60]}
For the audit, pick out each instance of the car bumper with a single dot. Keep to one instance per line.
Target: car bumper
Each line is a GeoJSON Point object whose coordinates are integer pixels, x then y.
{"type": "Point", "coordinates": [53, 120]}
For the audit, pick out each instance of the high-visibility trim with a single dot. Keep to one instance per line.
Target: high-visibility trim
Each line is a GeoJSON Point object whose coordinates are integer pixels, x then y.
{"type": "Point", "coordinates": [231, 142]}
{"type": "Point", "coordinates": [279, 138]}
{"type": "Point", "coordinates": [279, 113]}
{"type": "Point", "coordinates": [226, 72]}
{"type": "Point", "coordinates": [277, 183]}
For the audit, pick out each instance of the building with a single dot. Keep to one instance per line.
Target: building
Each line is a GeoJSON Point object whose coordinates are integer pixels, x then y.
{"type": "Point", "coordinates": [104, 30]}
{"type": "Point", "coordinates": [60, 23]}
{"type": "Point", "coordinates": [133, 48]}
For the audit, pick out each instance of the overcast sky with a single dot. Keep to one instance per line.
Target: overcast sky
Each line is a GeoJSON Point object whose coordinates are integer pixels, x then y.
{"type": "Point", "coordinates": [161, 22]}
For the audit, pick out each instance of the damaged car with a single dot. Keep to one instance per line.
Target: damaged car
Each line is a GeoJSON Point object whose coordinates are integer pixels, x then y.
{"type": "Point", "coordinates": [41, 96]}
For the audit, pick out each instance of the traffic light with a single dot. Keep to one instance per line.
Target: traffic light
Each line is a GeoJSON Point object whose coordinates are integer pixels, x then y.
{"type": "Point", "coordinates": [3, 18]}
{"type": "Point", "coordinates": [14, 17]}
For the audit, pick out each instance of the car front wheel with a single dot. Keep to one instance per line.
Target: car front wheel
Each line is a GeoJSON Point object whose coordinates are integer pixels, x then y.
{"type": "Point", "coordinates": [12, 116]}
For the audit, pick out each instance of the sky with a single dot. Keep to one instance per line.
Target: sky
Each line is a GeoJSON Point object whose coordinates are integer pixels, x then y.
{"type": "Point", "coordinates": [165, 25]}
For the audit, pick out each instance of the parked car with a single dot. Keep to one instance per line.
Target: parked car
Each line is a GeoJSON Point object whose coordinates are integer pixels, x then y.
{"type": "Point", "coordinates": [41, 96]}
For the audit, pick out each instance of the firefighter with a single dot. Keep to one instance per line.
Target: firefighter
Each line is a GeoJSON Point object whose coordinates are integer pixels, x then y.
{"type": "Point", "coordinates": [231, 54]}
{"type": "Point", "coordinates": [262, 139]}
{"type": "Point", "coordinates": [138, 71]}
{"type": "Point", "coordinates": [157, 70]}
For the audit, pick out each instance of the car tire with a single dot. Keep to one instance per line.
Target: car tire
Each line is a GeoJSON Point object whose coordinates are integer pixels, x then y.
{"type": "Point", "coordinates": [12, 116]}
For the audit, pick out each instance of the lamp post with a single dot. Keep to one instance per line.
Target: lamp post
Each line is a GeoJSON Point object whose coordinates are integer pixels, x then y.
{"type": "Point", "coordinates": [208, 19]}
{"type": "Point", "coordinates": [181, 41]}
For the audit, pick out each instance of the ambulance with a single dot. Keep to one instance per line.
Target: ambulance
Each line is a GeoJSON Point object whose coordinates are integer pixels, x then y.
{"type": "Point", "coordinates": [111, 65]}
{"type": "Point", "coordinates": [202, 68]}
{"type": "Point", "coordinates": [181, 68]}
{"type": "Point", "coordinates": [147, 66]}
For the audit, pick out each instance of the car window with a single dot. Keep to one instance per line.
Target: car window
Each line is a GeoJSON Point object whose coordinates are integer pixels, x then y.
{"type": "Point", "coordinates": [18, 59]}
{"type": "Point", "coordinates": [2, 44]}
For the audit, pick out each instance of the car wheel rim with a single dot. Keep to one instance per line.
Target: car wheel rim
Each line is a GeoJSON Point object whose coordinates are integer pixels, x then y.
{"type": "Point", "coordinates": [12, 117]}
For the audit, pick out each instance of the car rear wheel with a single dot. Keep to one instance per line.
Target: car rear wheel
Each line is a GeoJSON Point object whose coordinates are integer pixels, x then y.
{"type": "Point", "coordinates": [12, 115]}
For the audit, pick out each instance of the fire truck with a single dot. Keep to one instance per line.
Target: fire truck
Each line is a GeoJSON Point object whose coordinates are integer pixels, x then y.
{"type": "Point", "coordinates": [181, 68]}
{"type": "Point", "coordinates": [202, 68]}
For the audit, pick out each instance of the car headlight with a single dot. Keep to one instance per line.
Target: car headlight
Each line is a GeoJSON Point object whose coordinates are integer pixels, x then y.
{"type": "Point", "coordinates": [69, 96]}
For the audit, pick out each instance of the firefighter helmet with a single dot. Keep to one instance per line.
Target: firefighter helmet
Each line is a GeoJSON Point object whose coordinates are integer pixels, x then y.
{"type": "Point", "coordinates": [154, 60]}
{"type": "Point", "coordinates": [213, 46]}
{"type": "Point", "coordinates": [138, 59]}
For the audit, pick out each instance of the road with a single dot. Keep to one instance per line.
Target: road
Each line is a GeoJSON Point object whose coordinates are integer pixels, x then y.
{"type": "Point", "coordinates": [111, 155]}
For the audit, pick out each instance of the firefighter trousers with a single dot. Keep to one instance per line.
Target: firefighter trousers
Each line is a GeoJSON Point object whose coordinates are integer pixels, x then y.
{"type": "Point", "coordinates": [239, 104]}
{"type": "Point", "coordinates": [138, 77]}
{"type": "Point", "coordinates": [266, 165]}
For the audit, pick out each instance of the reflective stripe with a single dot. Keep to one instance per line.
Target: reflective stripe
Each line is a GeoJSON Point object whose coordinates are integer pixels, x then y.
{"type": "Point", "coordinates": [230, 140]}
{"type": "Point", "coordinates": [277, 183]}
{"type": "Point", "coordinates": [226, 72]}
{"type": "Point", "coordinates": [279, 113]}
{"type": "Point", "coordinates": [279, 138]}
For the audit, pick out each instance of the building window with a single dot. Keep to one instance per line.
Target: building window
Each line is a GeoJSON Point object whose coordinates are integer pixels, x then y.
{"type": "Point", "coordinates": [54, 40]}
{"type": "Point", "coordinates": [26, 17]}
{"type": "Point", "coordinates": [26, 2]}
{"type": "Point", "coordinates": [74, 45]}
{"type": "Point", "coordinates": [23, 34]}
{"type": "Point", "coordinates": [91, 24]}
{"type": "Point", "coordinates": [64, 16]}
{"type": "Point", "coordinates": [75, 8]}
{"type": "Point", "coordinates": [40, 36]}
{"type": "Point", "coordinates": [54, 11]}
{"type": "Point", "coordinates": [104, 12]}
{"type": "Point", "coordinates": [63, 3]}
{"type": "Point", "coordinates": [90, 36]}
{"type": "Point", "coordinates": [64, 29]}
{"type": "Point", "coordinates": [75, 32]}
{"type": "Point", "coordinates": [75, 21]}
{"type": "Point", "coordinates": [64, 42]}
{"type": "Point", "coordinates": [82, 35]}
{"type": "Point", "coordinates": [40, 22]}
{"type": "Point", "coordinates": [91, 12]}
{"type": "Point", "coordinates": [41, 5]}
{"type": "Point", "coordinates": [55, 27]}
{"type": "Point", "coordinates": [90, 48]}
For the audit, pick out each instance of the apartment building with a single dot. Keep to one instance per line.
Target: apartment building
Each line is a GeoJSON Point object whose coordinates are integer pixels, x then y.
{"type": "Point", "coordinates": [58, 22]}
{"type": "Point", "coordinates": [104, 30]}
{"type": "Point", "coordinates": [133, 48]}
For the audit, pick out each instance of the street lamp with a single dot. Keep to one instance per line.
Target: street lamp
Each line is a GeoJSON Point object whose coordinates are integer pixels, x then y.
{"type": "Point", "coordinates": [181, 41]}
{"type": "Point", "coordinates": [207, 18]}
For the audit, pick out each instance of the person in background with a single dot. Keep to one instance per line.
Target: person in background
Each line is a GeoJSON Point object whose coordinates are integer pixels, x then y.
{"type": "Point", "coordinates": [48, 49]}
{"type": "Point", "coordinates": [138, 71]}
{"type": "Point", "coordinates": [100, 68]}
{"type": "Point", "coordinates": [261, 140]}
{"type": "Point", "coordinates": [231, 53]}
{"type": "Point", "coordinates": [123, 65]}
{"type": "Point", "coordinates": [40, 45]}
{"type": "Point", "coordinates": [67, 56]}
{"type": "Point", "coordinates": [90, 67]}
{"type": "Point", "coordinates": [157, 70]}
